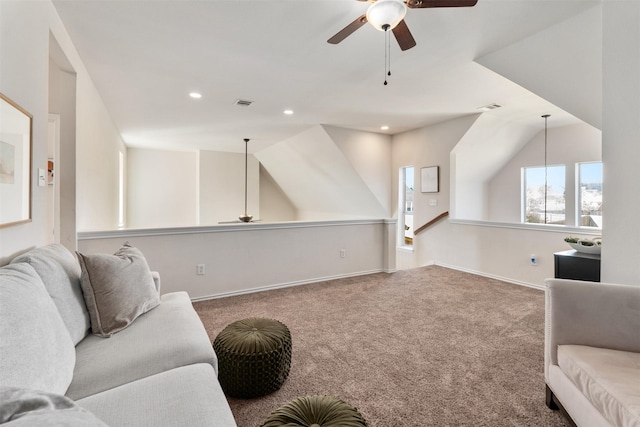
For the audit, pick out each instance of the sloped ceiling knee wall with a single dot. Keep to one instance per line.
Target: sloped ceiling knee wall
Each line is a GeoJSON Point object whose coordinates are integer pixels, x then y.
{"type": "Point", "coordinates": [562, 64]}
{"type": "Point", "coordinates": [322, 182]}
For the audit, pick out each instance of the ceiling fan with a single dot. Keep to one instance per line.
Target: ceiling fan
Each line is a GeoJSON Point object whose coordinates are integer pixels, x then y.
{"type": "Point", "coordinates": [246, 217]}
{"type": "Point", "coordinates": [387, 15]}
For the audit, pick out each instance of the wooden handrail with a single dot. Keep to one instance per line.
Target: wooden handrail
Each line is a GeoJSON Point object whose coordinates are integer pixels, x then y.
{"type": "Point", "coordinates": [430, 223]}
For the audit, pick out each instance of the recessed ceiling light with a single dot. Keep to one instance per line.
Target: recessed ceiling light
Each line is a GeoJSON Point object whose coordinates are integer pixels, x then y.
{"type": "Point", "coordinates": [288, 112]}
{"type": "Point", "coordinates": [195, 95]}
{"type": "Point", "coordinates": [384, 127]}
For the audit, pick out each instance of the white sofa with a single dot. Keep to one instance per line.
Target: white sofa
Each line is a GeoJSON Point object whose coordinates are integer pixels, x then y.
{"type": "Point", "coordinates": [592, 352]}
{"type": "Point", "coordinates": [160, 370]}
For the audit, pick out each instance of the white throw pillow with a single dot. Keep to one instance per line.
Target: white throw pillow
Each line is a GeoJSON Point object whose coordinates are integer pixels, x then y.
{"type": "Point", "coordinates": [33, 408]}
{"type": "Point", "coordinates": [36, 350]}
{"type": "Point", "coordinates": [60, 272]}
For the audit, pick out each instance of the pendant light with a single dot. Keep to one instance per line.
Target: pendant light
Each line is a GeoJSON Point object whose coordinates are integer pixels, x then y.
{"type": "Point", "coordinates": [246, 217]}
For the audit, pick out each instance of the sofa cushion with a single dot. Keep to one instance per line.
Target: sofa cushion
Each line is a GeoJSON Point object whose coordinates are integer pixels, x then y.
{"type": "Point", "coordinates": [167, 337]}
{"type": "Point", "coordinates": [186, 396]}
{"type": "Point", "coordinates": [610, 379]}
{"type": "Point", "coordinates": [36, 350]}
{"type": "Point", "coordinates": [60, 272]}
{"type": "Point", "coordinates": [117, 289]}
{"type": "Point", "coordinates": [34, 408]}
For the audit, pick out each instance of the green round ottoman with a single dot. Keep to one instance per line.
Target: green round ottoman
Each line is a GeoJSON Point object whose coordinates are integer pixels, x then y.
{"type": "Point", "coordinates": [316, 411]}
{"type": "Point", "coordinates": [254, 357]}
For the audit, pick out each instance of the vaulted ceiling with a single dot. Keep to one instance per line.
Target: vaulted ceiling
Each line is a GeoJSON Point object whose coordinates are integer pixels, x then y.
{"type": "Point", "coordinates": [145, 57]}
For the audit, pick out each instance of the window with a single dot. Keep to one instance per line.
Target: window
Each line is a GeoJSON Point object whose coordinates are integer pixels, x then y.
{"type": "Point", "coordinates": [590, 194]}
{"type": "Point", "coordinates": [406, 205]}
{"type": "Point", "coordinates": [544, 204]}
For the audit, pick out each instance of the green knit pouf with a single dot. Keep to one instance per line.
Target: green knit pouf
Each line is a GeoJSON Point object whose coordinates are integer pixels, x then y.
{"type": "Point", "coordinates": [316, 411]}
{"type": "Point", "coordinates": [254, 357]}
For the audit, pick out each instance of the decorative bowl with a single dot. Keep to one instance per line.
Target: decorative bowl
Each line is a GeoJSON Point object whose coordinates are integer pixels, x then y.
{"type": "Point", "coordinates": [588, 246]}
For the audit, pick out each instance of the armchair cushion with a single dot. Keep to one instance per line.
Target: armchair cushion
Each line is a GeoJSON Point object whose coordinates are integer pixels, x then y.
{"type": "Point", "coordinates": [610, 379]}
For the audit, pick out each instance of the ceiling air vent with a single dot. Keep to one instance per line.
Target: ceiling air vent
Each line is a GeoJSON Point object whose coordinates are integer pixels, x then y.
{"type": "Point", "coordinates": [489, 107]}
{"type": "Point", "coordinates": [243, 102]}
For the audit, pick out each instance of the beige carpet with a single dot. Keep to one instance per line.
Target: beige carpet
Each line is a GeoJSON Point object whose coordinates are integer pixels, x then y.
{"type": "Point", "coordinates": [423, 347]}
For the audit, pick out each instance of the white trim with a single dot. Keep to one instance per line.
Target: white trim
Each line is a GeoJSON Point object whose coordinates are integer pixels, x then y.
{"type": "Point", "coordinates": [540, 287]}
{"type": "Point", "coordinates": [533, 227]}
{"type": "Point", "coordinates": [286, 285]}
{"type": "Point", "coordinates": [223, 228]}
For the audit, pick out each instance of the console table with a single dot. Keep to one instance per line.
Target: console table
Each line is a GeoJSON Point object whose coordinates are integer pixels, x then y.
{"type": "Point", "coordinates": [577, 265]}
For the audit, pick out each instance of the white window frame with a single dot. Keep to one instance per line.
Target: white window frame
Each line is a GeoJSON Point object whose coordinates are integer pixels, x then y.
{"type": "Point", "coordinates": [523, 195]}
{"type": "Point", "coordinates": [402, 207]}
{"type": "Point", "coordinates": [578, 210]}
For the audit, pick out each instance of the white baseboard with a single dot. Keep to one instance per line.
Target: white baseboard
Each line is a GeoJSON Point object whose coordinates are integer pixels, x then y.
{"type": "Point", "coordinates": [362, 273]}
{"type": "Point", "coordinates": [287, 285]}
{"type": "Point", "coordinates": [492, 276]}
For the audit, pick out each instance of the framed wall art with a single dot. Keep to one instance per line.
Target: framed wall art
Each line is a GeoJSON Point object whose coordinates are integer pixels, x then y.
{"type": "Point", "coordinates": [429, 179]}
{"type": "Point", "coordinates": [15, 163]}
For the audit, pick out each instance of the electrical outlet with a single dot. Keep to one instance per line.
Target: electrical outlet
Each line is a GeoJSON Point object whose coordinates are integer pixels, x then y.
{"type": "Point", "coordinates": [343, 253]}
{"type": "Point", "coordinates": [533, 260]}
{"type": "Point", "coordinates": [200, 269]}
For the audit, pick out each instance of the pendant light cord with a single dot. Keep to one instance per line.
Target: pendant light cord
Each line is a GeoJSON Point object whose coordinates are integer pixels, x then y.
{"type": "Point", "coordinates": [246, 142]}
{"type": "Point", "coordinates": [546, 116]}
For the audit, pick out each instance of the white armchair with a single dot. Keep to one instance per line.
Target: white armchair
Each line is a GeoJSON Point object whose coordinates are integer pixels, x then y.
{"type": "Point", "coordinates": [592, 352]}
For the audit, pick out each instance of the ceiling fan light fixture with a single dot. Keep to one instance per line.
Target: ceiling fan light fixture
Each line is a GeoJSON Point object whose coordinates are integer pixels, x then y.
{"type": "Point", "coordinates": [386, 14]}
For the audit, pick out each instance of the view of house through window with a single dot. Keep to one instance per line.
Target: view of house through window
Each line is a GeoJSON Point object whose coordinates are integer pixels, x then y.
{"type": "Point", "coordinates": [588, 190]}
{"type": "Point", "coordinates": [406, 205]}
{"type": "Point", "coordinates": [590, 194]}
{"type": "Point", "coordinates": [544, 204]}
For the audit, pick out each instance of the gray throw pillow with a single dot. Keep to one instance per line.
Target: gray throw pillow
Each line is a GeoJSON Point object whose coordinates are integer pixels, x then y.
{"type": "Point", "coordinates": [33, 408]}
{"type": "Point", "coordinates": [117, 289]}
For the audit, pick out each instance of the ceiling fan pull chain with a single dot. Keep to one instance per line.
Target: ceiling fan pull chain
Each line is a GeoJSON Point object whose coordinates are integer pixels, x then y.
{"type": "Point", "coordinates": [389, 50]}
{"type": "Point", "coordinates": [387, 54]}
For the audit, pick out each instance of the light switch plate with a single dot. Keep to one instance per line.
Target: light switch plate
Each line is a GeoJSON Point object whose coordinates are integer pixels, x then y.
{"type": "Point", "coordinates": [42, 177]}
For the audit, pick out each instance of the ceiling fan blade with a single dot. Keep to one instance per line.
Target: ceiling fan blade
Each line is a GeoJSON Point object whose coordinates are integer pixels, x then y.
{"type": "Point", "coordinates": [419, 4]}
{"type": "Point", "coordinates": [348, 30]}
{"type": "Point", "coordinates": [403, 36]}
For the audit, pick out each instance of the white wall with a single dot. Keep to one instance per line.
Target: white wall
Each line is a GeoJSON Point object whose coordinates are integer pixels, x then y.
{"type": "Point", "coordinates": [222, 186]}
{"type": "Point", "coordinates": [428, 146]}
{"type": "Point", "coordinates": [369, 154]}
{"type": "Point", "coordinates": [162, 188]}
{"type": "Point", "coordinates": [484, 248]}
{"type": "Point", "coordinates": [319, 179]}
{"type": "Point", "coordinates": [98, 147]}
{"type": "Point", "coordinates": [274, 204]}
{"type": "Point", "coordinates": [562, 64]}
{"type": "Point", "coordinates": [62, 103]}
{"type": "Point", "coordinates": [25, 29]}
{"type": "Point", "coordinates": [566, 145]}
{"type": "Point", "coordinates": [620, 145]}
{"type": "Point", "coordinates": [248, 257]}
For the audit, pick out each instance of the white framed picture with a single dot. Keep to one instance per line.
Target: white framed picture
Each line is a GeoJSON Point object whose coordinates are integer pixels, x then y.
{"type": "Point", "coordinates": [429, 179]}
